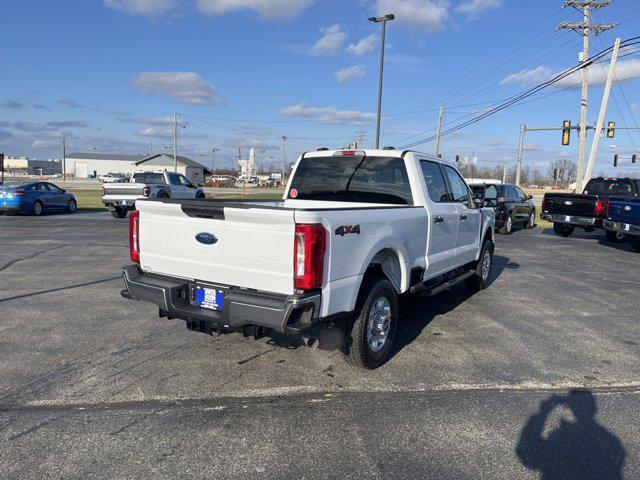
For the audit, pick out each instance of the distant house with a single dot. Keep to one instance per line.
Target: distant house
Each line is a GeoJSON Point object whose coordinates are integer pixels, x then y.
{"type": "Point", "coordinates": [194, 171]}
{"type": "Point", "coordinates": [90, 165]}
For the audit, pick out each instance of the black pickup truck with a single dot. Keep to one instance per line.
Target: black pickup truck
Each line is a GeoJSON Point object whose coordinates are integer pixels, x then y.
{"type": "Point", "coordinates": [587, 210]}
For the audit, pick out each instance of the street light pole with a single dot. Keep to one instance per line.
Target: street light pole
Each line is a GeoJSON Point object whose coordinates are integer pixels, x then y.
{"type": "Point", "coordinates": [384, 21]}
{"type": "Point", "coordinates": [213, 160]}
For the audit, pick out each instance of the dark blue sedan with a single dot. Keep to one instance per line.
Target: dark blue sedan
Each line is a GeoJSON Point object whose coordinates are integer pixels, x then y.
{"type": "Point", "coordinates": [35, 197]}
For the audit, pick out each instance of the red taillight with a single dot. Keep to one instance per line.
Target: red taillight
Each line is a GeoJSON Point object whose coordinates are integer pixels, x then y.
{"type": "Point", "coordinates": [308, 256]}
{"type": "Point", "coordinates": [146, 191]}
{"type": "Point", "coordinates": [501, 200]}
{"type": "Point", "coordinates": [18, 193]}
{"type": "Point", "coordinates": [134, 236]}
{"type": "Point", "coordinates": [601, 207]}
{"type": "Point", "coordinates": [348, 153]}
{"type": "Point", "coordinates": [544, 204]}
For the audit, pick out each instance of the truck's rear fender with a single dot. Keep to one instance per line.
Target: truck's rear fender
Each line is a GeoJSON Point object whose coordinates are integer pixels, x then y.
{"type": "Point", "coordinates": [393, 238]}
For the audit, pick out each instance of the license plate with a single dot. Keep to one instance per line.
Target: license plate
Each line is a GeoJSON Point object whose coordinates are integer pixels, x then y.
{"type": "Point", "coordinates": [209, 298]}
{"type": "Point", "coordinates": [567, 218]}
{"type": "Point", "coordinates": [626, 227]}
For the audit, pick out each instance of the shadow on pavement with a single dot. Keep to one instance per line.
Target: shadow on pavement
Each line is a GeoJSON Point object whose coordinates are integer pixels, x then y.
{"type": "Point", "coordinates": [577, 448]}
{"type": "Point", "coordinates": [52, 290]}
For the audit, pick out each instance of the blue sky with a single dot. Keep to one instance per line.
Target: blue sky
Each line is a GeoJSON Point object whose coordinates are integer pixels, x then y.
{"type": "Point", "coordinates": [108, 74]}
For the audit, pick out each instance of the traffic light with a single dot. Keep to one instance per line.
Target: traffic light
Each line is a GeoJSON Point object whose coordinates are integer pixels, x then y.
{"type": "Point", "coordinates": [611, 129]}
{"type": "Point", "coordinates": [615, 160]}
{"type": "Point", "coordinates": [566, 132]}
{"type": "Point", "coordinates": [634, 158]}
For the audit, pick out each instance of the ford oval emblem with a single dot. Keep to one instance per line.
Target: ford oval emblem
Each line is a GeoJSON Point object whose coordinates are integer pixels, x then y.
{"type": "Point", "coordinates": [206, 238]}
{"type": "Point", "coordinates": [568, 202]}
{"type": "Point", "coordinates": [627, 208]}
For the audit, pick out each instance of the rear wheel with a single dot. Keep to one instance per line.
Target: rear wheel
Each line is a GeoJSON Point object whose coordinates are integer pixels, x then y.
{"type": "Point", "coordinates": [200, 195]}
{"type": "Point", "coordinates": [369, 337]}
{"type": "Point", "coordinates": [532, 220]}
{"type": "Point", "coordinates": [507, 228]}
{"type": "Point", "coordinates": [614, 237]}
{"type": "Point", "coordinates": [480, 280]}
{"type": "Point", "coordinates": [163, 195]}
{"type": "Point", "coordinates": [635, 242]}
{"type": "Point", "coordinates": [37, 208]}
{"type": "Point", "coordinates": [72, 206]}
{"type": "Point", "coordinates": [562, 229]}
{"type": "Point", "coordinates": [119, 212]}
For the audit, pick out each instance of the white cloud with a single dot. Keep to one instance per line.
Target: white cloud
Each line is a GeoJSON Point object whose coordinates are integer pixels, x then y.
{"type": "Point", "coordinates": [350, 73]}
{"type": "Point", "coordinates": [331, 41]}
{"type": "Point", "coordinates": [329, 115]}
{"type": "Point", "coordinates": [474, 9]}
{"type": "Point", "coordinates": [364, 46]}
{"type": "Point", "coordinates": [625, 70]}
{"type": "Point", "coordinates": [149, 8]}
{"type": "Point", "coordinates": [14, 103]}
{"type": "Point", "coordinates": [153, 133]}
{"type": "Point", "coordinates": [269, 9]}
{"type": "Point", "coordinates": [182, 87]}
{"type": "Point", "coordinates": [69, 102]}
{"type": "Point", "coordinates": [156, 121]}
{"type": "Point", "coordinates": [425, 16]}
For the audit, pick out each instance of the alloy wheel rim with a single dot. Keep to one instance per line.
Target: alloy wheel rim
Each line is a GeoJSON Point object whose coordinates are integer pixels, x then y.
{"type": "Point", "coordinates": [508, 226]}
{"type": "Point", "coordinates": [72, 206]}
{"type": "Point", "coordinates": [486, 265]}
{"type": "Point", "coordinates": [37, 209]}
{"type": "Point", "coordinates": [532, 219]}
{"type": "Point", "coordinates": [379, 324]}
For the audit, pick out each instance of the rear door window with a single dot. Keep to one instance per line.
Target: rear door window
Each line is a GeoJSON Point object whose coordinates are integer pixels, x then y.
{"type": "Point", "coordinates": [491, 195]}
{"type": "Point", "coordinates": [434, 181]}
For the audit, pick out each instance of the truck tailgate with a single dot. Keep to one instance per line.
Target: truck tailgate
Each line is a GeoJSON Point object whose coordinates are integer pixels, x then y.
{"type": "Point", "coordinates": [571, 204]}
{"type": "Point", "coordinates": [253, 247]}
{"type": "Point", "coordinates": [123, 189]}
{"type": "Point", "coordinates": [626, 211]}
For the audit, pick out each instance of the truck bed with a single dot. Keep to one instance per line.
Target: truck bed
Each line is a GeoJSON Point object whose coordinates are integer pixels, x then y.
{"type": "Point", "coordinates": [570, 204]}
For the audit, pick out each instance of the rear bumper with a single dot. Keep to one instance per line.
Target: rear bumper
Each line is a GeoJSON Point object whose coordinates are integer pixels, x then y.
{"type": "Point", "coordinates": [573, 220]}
{"type": "Point", "coordinates": [621, 227]}
{"type": "Point", "coordinates": [290, 314]}
{"type": "Point", "coordinates": [112, 204]}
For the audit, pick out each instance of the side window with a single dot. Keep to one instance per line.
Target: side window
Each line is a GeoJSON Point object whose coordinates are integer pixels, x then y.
{"type": "Point", "coordinates": [436, 186]}
{"type": "Point", "coordinates": [511, 194]}
{"type": "Point", "coordinates": [521, 195]}
{"type": "Point", "coordinates": [41, 187]}
{"type": "Point", "coordinates": [174, 178]}
{"type": "Point", "coordinates": [459, 188]}
{"type": "Point", "coordinates": [184, 180]}
{"type": "Point", "coordinates": [53, 188]}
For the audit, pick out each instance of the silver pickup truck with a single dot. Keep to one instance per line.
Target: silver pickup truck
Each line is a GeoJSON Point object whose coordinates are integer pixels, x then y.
{"type": "Point", "coordinates": [120, 198]}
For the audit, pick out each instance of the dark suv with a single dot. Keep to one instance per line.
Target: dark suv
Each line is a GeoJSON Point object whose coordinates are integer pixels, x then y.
{"type": "Point", "coordinates": [510, 203]}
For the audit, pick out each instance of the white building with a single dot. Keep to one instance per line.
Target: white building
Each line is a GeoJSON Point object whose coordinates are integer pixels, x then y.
{"type": "Point", "coordinates": [248, 167]}
{"type": "Point", "coordinates": [91, 165]}
{"type": "Point", "coordinates": [27, 166]}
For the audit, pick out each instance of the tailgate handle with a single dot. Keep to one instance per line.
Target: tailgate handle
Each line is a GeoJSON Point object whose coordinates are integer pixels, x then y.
{"type": "Point", "coordinates": [463, 216]}
{"type": "Point", "coordinates": [215, 213]}
{"type": "Point", "coordinates": [438, 219]}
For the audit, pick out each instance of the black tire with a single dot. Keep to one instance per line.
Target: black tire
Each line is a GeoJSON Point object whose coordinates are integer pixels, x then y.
{"type": "Point", "coordinates": [507, 228]}
{"type": "Point", "coordinates": [359, 338]}
{"type": "Point", "coordinates": [72, 206]}
{"type": "Point", "coordinates": [200, 195]}
{"type": "Point", "coordinates": [480, 279]}
{"type": "Point", "coordinates": [119, 212]}
{"type": "Point", "coordinates": [614, 237]}
{"type": "Point", "coordinates": [635, 242]}
{"type": "Point", "coordinates": [562, 229]}
{"type": "Point", "coordinates": [531, 222]}
{"type": "Point", "coordinates": [36, 209]}
{"type": "Point", "coordinates": [163, 194]}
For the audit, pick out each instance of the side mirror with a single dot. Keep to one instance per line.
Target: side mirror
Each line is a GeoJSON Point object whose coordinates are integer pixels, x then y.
{"type": "Point", "coordinates": [529, 197]}
{"type": "Point", "coordinates": [478, 202]}
{"type": "Point", "coordinates": [63, 190]}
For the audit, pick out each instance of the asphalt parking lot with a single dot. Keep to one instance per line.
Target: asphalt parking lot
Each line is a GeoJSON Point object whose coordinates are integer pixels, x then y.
{"type": "Point", "coordinates": [539, 375]}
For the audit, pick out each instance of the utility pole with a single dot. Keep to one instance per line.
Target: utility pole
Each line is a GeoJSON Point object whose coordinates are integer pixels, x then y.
{"type": "Point", "coordinates": [213, 160]}
{"type": "Point", "coordinates": [523, 128]}
{"type": "Point", "coordinates": [440, 114]}
{"type": "Point", "coordinates": [603, 112]}
{"type": "Point", "coordinates": [586, 29]}
{"type": "Point", "coordinates": [284, 139]}
{"type": "Point", "coordinates": [175, 142]}
{"type": "Point", "coordinates": [504, 172]}
{"type": "Point", "coordinates": [384, 21]}
{"type": "Point", "coordinates": [64, 160]}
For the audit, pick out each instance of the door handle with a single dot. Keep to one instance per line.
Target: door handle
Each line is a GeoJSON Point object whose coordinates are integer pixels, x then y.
{"type": "Point", "coordinates": [463, 216]}
{"type": "Point", "coordinates": [438, 219]}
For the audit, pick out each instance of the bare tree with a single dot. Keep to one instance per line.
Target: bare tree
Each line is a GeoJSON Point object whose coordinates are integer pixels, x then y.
{"type": "Point", "coordinates": [567, 171]}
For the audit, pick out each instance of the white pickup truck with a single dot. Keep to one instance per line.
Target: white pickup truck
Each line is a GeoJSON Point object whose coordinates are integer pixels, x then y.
{"type": "Point", "coordinates": [121, 198]}
{"type": "Point", "coordinates": [354, 230]}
